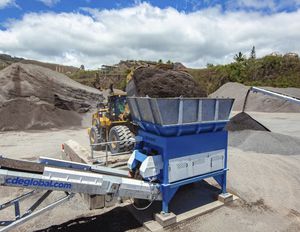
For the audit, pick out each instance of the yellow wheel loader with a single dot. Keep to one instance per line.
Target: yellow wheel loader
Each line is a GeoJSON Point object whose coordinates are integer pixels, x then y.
{"type": "Point", "coordinates": [111, 123]}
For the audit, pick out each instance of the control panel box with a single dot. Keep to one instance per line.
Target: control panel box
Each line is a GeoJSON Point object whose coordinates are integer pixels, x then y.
{"type": "Point", "coordinates": [195, 165]}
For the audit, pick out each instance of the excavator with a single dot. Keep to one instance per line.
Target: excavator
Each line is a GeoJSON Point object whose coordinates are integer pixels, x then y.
{"type": "Point", "coordinates": [111, 124]}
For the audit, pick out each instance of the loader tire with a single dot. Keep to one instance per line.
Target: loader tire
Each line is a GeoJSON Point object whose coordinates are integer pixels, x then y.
{"type": "Point", "coordinates": [123, 134]}
{"type": "Point", "coordinates": [96, 137]}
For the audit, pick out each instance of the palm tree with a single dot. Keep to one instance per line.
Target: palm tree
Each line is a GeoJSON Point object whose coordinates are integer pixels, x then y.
{"type": "Point", "coordinates": [239, 57]}
{"type": "Point", "coordinates": [253, 53]}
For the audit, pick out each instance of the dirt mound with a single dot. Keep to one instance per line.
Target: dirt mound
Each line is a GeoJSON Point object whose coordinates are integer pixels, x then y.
{"type": "Point", "coordinates": [265, 142]}
{"type": "Point", "coordinates": [244, 121]}
{"type": "Point", "coordinates": [158, 82]}
{"type": "Point", "coordinates": [24, 114]}
{"type": "Point", "coordinates": [33, 97]}
{"type": "Point", "coordinates": [258, 101]}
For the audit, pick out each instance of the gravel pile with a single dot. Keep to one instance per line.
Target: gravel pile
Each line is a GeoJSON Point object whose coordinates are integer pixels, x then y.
{"type": "Point", "coordinates": [244, 121]}
{"type": "Point", "coordinates": [265, 142]}
{"type": "Point", "coordinates": [33, 97]}
{"type": "Point", "coordinates": [258, 101]}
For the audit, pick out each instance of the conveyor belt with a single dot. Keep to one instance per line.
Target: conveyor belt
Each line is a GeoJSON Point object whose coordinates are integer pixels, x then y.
{"type": "Point", "coordinates": [38, 167]}
{"type": "Point", "coordinates": [69, 177]}
{"type": "Point", "coordinates": [21, 165]}
{"type": "Point", "coordinates": [83, 167]}
{"type": "Point", "coordinates": [60, 175]}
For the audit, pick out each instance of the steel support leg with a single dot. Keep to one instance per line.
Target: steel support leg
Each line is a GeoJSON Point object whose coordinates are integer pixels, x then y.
{"type": "Point", "coordinates": [165, 207]}
{"type": "Point", "coordinates": [17, 210]}
{"type": "Point", "coordinates": [30, 213]}
{"type": "Point", "coordinates": [224, 180]}
{"type": "Point", "coordinates": [18, 199]}
{"type": "Point", "coordinates": [221, 180]}
{"type": "Point", "coordinates": [167, 195]}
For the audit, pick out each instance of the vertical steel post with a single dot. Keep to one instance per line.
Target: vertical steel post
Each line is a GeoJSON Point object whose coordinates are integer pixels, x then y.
{"type": "Point", "coordinates": [92, 152]}
{"type": "Point", "coordinates": [106, 155]}
{"type": "Point", "coordinates": [17, 210]}
{"type": "Point", "coordinates": [165, 206]}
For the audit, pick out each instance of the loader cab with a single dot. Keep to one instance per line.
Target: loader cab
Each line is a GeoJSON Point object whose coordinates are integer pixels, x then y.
{"type": "Point", "coordinates": [117, 105]}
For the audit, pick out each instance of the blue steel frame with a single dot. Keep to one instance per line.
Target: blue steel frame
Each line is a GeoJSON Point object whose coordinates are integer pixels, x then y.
{"type": "Point", "coordinates": [180, 146]}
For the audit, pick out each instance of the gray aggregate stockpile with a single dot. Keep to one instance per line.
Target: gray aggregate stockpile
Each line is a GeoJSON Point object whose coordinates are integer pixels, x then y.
{"type": "Point", "coordinates": [157, 82]}
{"type": "Point", "coordinates": [258, 101]}
{"type": "Point", "coordinates": [265, 142]}
{"type": "Point", "coordinates": [33, 97]}
{"type": "Point", "coordinates": [244, 121]}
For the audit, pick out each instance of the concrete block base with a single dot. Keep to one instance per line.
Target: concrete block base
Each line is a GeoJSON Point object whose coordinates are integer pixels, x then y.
{"type": "Point", "coordinates": [204, 209]}
{"type": "Point", "coordinates": [160, 221]}
{"type": "Point", "coordinates": [94, 201]}
{"type": "Point", "coordinates": [225, 197]}
{"type": "Point", "coordinates": [153, 226]}
{"type": "Point", "coordinates": [76, 153]}
{"type": "Point", "coordinates": [191, 201]}
{"type": "Point", "coordinates": [165, 219]}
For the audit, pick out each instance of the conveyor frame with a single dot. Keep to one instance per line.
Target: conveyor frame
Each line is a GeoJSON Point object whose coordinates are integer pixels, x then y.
{"type": "Point", "coordinates": [71, 178]}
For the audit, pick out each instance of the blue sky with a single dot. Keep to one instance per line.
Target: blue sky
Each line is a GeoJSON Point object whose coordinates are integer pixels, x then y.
{"type": "Point", "coordinates": [190, 31]}
{"type": "Point", "coordinates": [21, 7]}
{"type": "Point", "coordinates": [27, 6]}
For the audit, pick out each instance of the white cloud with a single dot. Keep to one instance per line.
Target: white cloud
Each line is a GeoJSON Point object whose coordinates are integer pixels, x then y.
{"type": "Point", "coordinates": [270, 5]}
{"type": "Point", "coordinates": [49, 3]}
{"type": "Point", "coordinates": [96, 37]}
{"type": "Point", "coordinates": [256, 4]}
{"type": "Point", "coordinates": [6, 3]}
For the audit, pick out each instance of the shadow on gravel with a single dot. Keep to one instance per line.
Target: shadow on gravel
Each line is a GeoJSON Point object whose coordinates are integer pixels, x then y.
{"type": "Point", "coordinates": [187, 198]}
{"type": "Point", "coordinates": [243, 121]}
{"type": "Point", "coordinates": [118, 219]}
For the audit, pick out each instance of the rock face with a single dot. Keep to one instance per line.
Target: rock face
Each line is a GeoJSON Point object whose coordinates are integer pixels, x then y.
{"type": "Point", "coordinates": [158, 82]}
{"type": "Point", "coordinates": [33, 97]}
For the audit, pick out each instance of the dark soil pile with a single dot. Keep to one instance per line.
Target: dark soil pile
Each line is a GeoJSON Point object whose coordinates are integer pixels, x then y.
{"type": "Point", "coordinates": [244, 121]}
{"type": "Point", "coordinates": [33, 97]}
{"type": "Point", "coordinates": [157, 82]}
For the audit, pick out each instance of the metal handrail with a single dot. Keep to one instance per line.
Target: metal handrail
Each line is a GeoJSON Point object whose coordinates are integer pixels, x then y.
{"type": "Point", "coordinates": [104, 143]}
{"type": "Point", "coordinates": [106, 149]}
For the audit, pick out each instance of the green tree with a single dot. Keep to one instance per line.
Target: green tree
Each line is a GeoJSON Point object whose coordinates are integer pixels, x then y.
{"type": "Point", "coordinates": [239, 57]}
{"type": "Point", "coordinates": [253, 53]}
{"type": "Point", "coordinates": [160, 61]}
